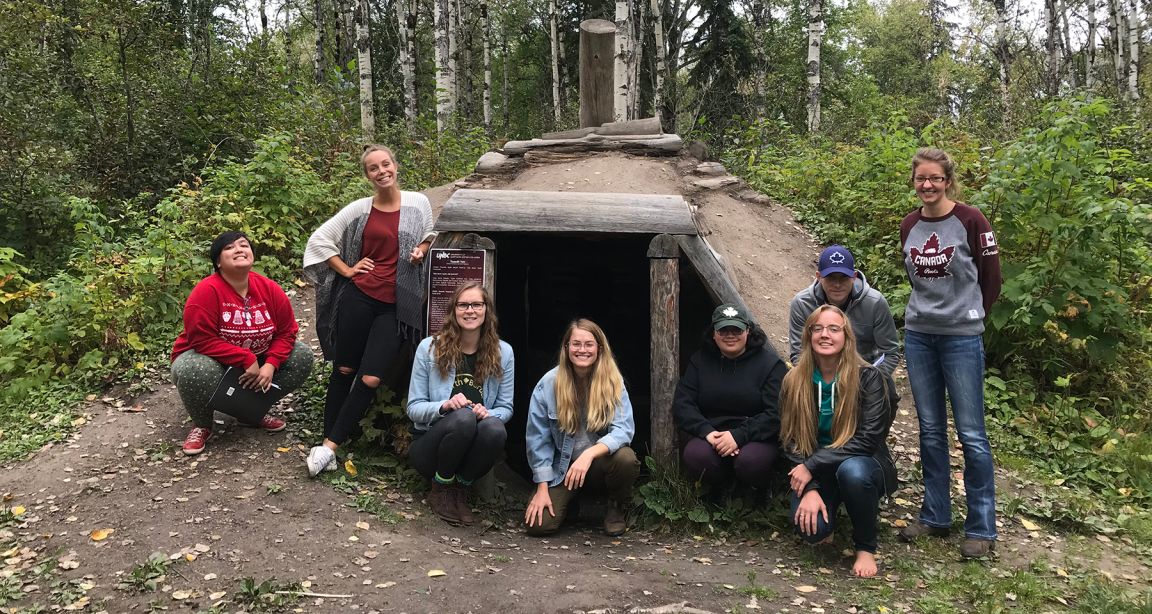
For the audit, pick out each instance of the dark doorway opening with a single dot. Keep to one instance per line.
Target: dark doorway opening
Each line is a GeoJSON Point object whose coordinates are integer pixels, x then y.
{"type": "Point", "coordinates": [544, 281]}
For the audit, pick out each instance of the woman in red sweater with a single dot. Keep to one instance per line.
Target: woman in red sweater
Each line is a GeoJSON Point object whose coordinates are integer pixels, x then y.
{"type": "Point", "coordinates": [235, 317]}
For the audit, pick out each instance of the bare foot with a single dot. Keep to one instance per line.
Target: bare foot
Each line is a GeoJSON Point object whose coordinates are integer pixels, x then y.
{"type": "Point", "coordinates": [865, 565]}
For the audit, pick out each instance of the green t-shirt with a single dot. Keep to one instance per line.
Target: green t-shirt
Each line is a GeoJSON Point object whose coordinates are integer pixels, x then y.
{"type": "Point", "coordinates": [826, 394]}
{"type": "Point", "coordinates": [465, 382]}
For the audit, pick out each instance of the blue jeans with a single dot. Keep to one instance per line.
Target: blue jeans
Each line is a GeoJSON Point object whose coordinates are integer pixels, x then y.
{"type": "Point", "coordinates": [857, 483]}
{"type": "Point", "coordinates": [952, 363]}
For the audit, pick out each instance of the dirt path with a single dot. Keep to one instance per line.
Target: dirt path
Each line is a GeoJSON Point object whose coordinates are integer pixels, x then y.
{"type": "Point", "coordinates": [246, 508]}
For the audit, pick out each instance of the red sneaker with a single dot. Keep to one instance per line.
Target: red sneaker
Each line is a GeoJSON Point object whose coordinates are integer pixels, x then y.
{"type": "Point", "coordinates": [196, 440]}
{"type": "Point", "coordinates": [272, 424]}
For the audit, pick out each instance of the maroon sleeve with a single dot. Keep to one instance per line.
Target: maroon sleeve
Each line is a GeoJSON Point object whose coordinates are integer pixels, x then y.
{"type": "Point", "coordinates": [986, 255]}
{"type": "Point", "coordinates": [284, 318]}
{"type": "Point", "coordinates": [201, 313]}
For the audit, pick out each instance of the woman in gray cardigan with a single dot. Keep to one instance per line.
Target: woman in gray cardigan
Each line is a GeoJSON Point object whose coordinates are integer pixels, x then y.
{"type": "Point", "coordinates": [367, 263]}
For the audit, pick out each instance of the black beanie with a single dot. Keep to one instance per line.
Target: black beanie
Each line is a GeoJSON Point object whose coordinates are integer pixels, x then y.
{"type": "Point", "coordinates": [219, 243]}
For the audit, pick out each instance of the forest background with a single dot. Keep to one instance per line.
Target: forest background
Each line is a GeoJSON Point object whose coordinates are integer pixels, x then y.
{"type": "Point", "coordinates": [133, 131]}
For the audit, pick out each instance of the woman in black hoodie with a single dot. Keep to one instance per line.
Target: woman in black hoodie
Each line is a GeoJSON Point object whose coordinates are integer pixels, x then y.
{"type": "Point", "coordinates": [726, 403]}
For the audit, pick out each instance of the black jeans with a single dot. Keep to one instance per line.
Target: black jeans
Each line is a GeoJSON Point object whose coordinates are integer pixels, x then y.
{"type": "Point", "coordinates": [368, 341]}
{"type": "Point", "coordinates": [458, 445]}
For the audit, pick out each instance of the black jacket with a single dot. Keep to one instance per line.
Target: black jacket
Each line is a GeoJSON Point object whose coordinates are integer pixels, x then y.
{"type": "Point", "coordinates": [871, 438]}
{"type": "Point", "coordinates": [721, 394]}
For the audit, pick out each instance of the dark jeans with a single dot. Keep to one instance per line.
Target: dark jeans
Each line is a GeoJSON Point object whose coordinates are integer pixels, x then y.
{"type": "Point", "coordinates": [857, 483]}
{"type": "Point", "coordinates": [750, 467]}
{"type": "Point", "coordinates": [615, 473]}
{"type": "Point", "coordinates": [368, 341]}
{"type": "Point", "coordinates": [458, 445]}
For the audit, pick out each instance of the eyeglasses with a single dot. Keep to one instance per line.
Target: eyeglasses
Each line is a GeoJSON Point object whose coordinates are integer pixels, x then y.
{"type": "Point", "coordinates": [819, 328]}
{"type": "Point", "coordinates": [730, 331]}
{"type": "Point", "coordinates": [586, 345]}
{"type": "Point", "coordinates": [478, 306]}
{"type": "Point", "coordinates": [934, 179]}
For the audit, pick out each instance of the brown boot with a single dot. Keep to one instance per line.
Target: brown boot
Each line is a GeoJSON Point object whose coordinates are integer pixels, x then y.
{"type": "Point", "coordinates": [442, 499]}
{"type": "Point", "coordinates": [615, 522]}
{"type": "Point", "coordinates": [463, 510]}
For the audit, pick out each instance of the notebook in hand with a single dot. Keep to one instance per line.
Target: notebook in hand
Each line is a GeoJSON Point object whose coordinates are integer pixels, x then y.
{"type": "Point", "coordinates": [244, 404]}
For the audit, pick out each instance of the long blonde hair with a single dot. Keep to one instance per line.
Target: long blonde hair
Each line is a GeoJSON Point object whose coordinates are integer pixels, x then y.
{"type": "Point", "coordinates": [941, 157]}
{"type": "Point", "coordinates": [799, 415]}
{"type": "Point", "coordinates": [600, 392]}
{"type": "Point", "coordinates": [446, 345]}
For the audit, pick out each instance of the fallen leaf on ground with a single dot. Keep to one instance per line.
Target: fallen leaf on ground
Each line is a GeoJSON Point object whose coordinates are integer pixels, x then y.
{"type": "Point", "coordinates": [362, 525]}
{"type": "Point", "coordinates": [283, 449]}
{"type": "Point", "coordinates": [1028, 524]}
{"type": "Point", "coordinates": [386, 584]}
{"type": "Point", "coordinates": [805, 588]}
{"type": "Point", "coordinates": [350, 467]}
{"type": "Point", "coordinates": [219, 595]}
{"type": "Point", "coordinates": [99, 535]}
{"type": "Point", "coordinates": [181, 595]}
{"type": "Point", "coordinates": [436, 573]}
{"type": "Point", "coordinates": [210, 576]}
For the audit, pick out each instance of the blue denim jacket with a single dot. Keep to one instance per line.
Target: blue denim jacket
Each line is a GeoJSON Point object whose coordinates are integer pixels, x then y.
{"type": "Point", "coordinates": [549, 448]}
{"type": "Point", "coordinates": [428, 390]}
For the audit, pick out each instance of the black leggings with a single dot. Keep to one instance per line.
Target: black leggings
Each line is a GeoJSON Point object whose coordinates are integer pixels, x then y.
{"type": "Point", "coordinates": [458, 445]}
{"type": "Point", "coordinates": [367, 341]}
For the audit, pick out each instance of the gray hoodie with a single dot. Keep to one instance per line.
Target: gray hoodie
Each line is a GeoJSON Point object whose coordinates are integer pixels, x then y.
{"type": "Point", "coordinates": [876, 336]}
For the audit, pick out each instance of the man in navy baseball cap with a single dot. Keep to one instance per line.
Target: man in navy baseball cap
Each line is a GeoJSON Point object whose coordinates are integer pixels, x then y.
{"type": "Point", "coordinates": [839, 283]}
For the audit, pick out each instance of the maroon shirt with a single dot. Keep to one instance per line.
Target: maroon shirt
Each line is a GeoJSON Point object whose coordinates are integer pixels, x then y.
{"type": "Point", "coordinates": [382, 245]}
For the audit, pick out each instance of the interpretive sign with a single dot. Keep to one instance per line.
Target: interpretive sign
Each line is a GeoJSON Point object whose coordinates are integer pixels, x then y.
{"type": "Point", "coordinates": [448, 269]}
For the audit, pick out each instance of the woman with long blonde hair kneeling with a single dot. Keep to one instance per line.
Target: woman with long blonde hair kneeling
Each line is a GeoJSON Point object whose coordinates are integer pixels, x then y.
{"type": "Point", "coordinates": [579, 428]}
{"type": "Point", "coordinates": [835, 412]}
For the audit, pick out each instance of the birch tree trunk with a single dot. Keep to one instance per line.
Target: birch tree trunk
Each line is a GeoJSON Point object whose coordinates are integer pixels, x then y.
{"type": "Point", "coordinates": [1051, 49]}
{"type": "Point", "coordinates": [319, 64]}
{"type": "Point", "coordinates": [815, 40]}
{"type": "Point", "coordinates": [1067, 71]}
{"type": "Point", "coordinates": [464, 67]}
{"type": "Point", "coordinates": [661, 61]}
{"type": "Point", "coordinates": [504, 90]}
{"type": "Point", "coordinates": [454, 53]}
{"type": "Point", "coordinates": [1090, 46]}
{"type": "Point", "coordinates": [554, 39]}
{"type": "Point", "coordinates": [1133, 50]}
{"type": "Point", "coordinates": [445, 80]}
{"type": "Point", "coordinates": [487, 26]}
{"type": "Point", "coordinates": [363, 20]}
{"type": "Point", "coordinates": [622, 72]}
{"type": "Point", "coordinates": [406, 15]}
{"type": "Point", "coordinates": [1115, 42]}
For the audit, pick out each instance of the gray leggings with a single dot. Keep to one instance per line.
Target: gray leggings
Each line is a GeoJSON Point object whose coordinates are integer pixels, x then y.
{"type": "Point", "coordinates": [197, 375]}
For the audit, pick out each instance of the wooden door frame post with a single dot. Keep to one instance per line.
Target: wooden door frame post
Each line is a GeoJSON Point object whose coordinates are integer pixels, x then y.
{"type": "Point", "coordinates": [664, 300]}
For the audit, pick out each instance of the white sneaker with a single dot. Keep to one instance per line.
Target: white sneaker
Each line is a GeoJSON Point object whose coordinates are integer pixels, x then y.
{"type": "Point", "coordinates": [320, 458]}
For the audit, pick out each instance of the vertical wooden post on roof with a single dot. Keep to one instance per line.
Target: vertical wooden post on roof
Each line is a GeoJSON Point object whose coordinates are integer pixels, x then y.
{"type": "Point", "coordinates": [597, 62]}
{"type": "Point", "coordinates": [664, 297]}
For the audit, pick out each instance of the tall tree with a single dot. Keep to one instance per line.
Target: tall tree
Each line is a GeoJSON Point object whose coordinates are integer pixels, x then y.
{"type": "Point", "coordinates": [815, 41]}
{"type": "Point", "coordinates": [623, 84]}
{"type": "Point", "coordinates": [487, 25]}
{"type": "Point", "coordinates": [1051, 48]}
{"type": "Point", "coordinates": [554, 41]}
{"type": "Point", "coordinates": [406, 15]}
{"type": "Point", "coordinates": [362, 18]}
{"type": "Point", "coordinates": [1133, 50]}
{"type": "Point", "coordinates": [1090, 45]}
{"type": "Point", "coordinates": [1003, 52]}
{"type": "Point", "coordinates": [319, 61]}
{"type": "Point", "coordinates": [445, 74]}
{"type": "Point", "coordinates": [660, 54]}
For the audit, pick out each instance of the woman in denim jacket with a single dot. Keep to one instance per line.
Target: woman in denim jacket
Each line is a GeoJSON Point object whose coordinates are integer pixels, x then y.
{"type": "Point", "coordinates": [579, 427]}
{"type": "Point", "coordinates": [459, 398]}
{"type": "Point", "coordinates": [835, 413]}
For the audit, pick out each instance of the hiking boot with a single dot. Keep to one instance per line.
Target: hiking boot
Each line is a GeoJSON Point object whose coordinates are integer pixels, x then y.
{"type": "Point", "coordinates": [442, 499]}
{"type": "Point", "coordinates": [919, 529]}
{"type": "Point", "coordinates": [272, 424]}
{"type": "Point", "coordinates": [196, 440]}
{"type": "Point", "coordinates": [319, 459]}
{"type": "Point", "coordinates": [972, 548]}
{"type": "Point", "coordinates": [615, 523]}
{"type": "Point", "coordinates": [463, 510]}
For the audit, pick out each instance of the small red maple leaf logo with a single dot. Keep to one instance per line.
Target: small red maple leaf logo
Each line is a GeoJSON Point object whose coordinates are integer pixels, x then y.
{"type": "Point", "coordinates": [931, 261]}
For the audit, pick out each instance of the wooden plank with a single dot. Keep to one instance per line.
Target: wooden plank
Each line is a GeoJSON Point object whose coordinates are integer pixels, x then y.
{"type": "Point", "coordinates": [642, 144]}
{"type": "Point", "coordinates": [712, 275]}
{"type": "Point", "coordinates": [599, 212]}
{"type": "Point", "coordinates": [664, 297]}
{"type": "Point", "coordinates": [597, 59]}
